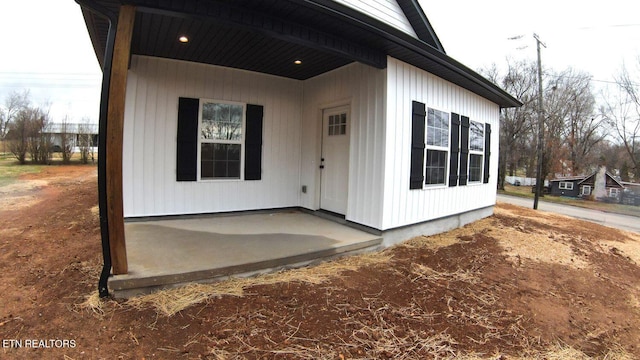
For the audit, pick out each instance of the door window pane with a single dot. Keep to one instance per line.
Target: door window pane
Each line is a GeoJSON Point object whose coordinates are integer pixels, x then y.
{"type": "Point", "coordinates": [337, 124]}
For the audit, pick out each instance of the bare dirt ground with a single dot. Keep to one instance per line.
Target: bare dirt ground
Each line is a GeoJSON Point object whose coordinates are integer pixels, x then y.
{"type": "Point", "coordinates": [520, 284]}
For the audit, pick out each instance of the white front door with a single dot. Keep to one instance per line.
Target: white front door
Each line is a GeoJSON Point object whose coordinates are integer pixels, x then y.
{"type": "Point", "coordinates": [334, 161]}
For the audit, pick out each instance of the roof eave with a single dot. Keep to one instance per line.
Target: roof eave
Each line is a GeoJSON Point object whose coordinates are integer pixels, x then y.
{"type": "Point", "coordinates": [501, 97]}
{"type": "Point", "coordinates": [93, 35]}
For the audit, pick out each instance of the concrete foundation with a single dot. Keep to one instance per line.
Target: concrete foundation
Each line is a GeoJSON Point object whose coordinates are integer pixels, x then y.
{"type": "Point", "coordinates": [432, 227]}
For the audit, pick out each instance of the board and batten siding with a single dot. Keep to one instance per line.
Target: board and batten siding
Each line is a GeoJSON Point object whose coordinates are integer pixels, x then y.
{"type": "Point", "coordinates": [386, 11]}
{"type": "Point", "coordinates": [150, 128]}
{"type": "Point", "coordinates": [402, 206]}
{"type": "Point", "coordinates": [363, 88]}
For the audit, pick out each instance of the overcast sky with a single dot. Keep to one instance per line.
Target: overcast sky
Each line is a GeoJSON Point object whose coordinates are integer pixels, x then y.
{"type": "Point", "coordinates": [591, 36]}
{"type": "Point", "coordinates": [46, 48]}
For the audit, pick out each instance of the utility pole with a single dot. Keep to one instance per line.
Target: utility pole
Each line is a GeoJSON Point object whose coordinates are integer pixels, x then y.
{"type": "Point", "coordinates": [539, 177]}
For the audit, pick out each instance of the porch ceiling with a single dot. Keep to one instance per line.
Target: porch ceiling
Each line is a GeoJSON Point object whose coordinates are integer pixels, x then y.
{"type": "Point", "coordinates": [265, 36]}
{"type": "Point", "coordinates": [219, 44]}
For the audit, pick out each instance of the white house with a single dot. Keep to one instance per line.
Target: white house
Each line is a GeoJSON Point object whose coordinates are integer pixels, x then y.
{"type": "Point", "coordinates": [75, 135]}
{"type": "Point", "coordinates": [348, 106]}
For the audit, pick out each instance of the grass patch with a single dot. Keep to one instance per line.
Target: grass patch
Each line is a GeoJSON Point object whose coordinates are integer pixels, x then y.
{"type": "Point", "coordinates": [525, 192]}
{"type": "Point", "coordinates": [10, 169]}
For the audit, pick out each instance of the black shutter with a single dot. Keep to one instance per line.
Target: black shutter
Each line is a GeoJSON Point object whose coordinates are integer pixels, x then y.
{"type": "Point", "coordinates": [455, 149]}
{"type": "Point", "coordinates": [253, 143]}
{"type": "Point", "coordinates": [487, 151]}
{"type": "Point", "coordinates": [187, 146]}
{"type": "Point", "coordinates": [416, 177]}
{"type": "Point", "coordinates": [464, 150]}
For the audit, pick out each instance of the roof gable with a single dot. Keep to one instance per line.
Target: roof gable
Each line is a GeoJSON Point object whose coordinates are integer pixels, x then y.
{"type": "Point", "coordinates": [611, 181]}
{"type": "Point", "coordinates": [386, 11]}
{"type": "Point", "coordinates": [404, 15]}
{"type": "Point", "coordinates": [421, 25]}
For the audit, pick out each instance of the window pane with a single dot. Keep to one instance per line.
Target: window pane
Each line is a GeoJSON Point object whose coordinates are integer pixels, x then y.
{"type": "Point", "coordinates": [437, 128]}
{"type": "Point", "coordinates": [436, 167]}
{"type": "Point", "coordinates": [220, 161]}
{"type": "Point", "coordinates": [220, 169]}
{"type": "Point", "coordinates": [431, 117]}
{"type": "Point", "coordinates": [206, 169]}
{"type": "Point", "coordinates": [475, 167]}
{"type": "Point", "coordinates": [476, 138]}
{"type": "Point", "coordinates": [221, 122]}
{"type": "Point", "coordinates": [207, 151]}
{"type": "Point", "coordinates": [219, 152]}
{"type": "Point", "coordinates": [233, 153]}
{"type": "Point", "coordinates": [233, 167]}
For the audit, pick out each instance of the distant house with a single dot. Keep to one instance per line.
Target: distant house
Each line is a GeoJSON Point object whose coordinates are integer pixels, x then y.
{"type": "Point", "coordinates": [631, 187]}
{"type": "Point", "coordinates": [74, 132]}
{"type": "Point", "coordinates": [348, 106]}
{"type": "Point", "coordinates": [568, 186]}
{"type": "Point", "coordinates": [631, 193]}
{"type": "Point", "coordinates": [585, 186]}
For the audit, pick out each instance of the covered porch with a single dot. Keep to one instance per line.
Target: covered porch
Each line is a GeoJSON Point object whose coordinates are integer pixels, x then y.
{"type": "Point", "coordinates": [263, 57]}
{"type": "Point", "coordinates": [171, 251]}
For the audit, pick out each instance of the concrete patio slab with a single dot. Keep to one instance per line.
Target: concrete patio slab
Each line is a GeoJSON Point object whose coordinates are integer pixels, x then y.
{"type": "Point", "coordinates": [164, 253]}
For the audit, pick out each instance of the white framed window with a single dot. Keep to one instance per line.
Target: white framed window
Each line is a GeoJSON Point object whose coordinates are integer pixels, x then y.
{"type": "Point", "coordinates": [565, 185]}
{"type": "Point", "coordinates": [221, 140]}
{"type": "Point", "coordinates": [613, 192]}
{"type": "Point", "coordinates": [586, 190]}
{"type": "Point", "coordinates": [437, 147]}
{"type": "Point", "coordinates": [476, 151]}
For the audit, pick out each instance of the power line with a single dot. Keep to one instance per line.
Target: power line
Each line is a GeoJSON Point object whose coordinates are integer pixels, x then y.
{"type": "Point", "coordinates": [49, 86]}
{"type": "Point", "coordinates": [593, 80]}
{"type": "Point", "coordinates": [606, 26]}
{"type": "Point", "coordinates": [49, 73]}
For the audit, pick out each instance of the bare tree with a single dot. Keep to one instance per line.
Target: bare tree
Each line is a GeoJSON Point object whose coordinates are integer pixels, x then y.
{"type": "Point", "coordinates": [18, 134]}
{"type": "Point", "coordinates": [622, 111]}
{"type": "Point", "coordinates": [85, 141]}
{"type": "Point", "coordinates": [26, 135]}
{"type": "Point", "coordinates": [39, 141]}
{"type": "Point", "coordinates": [67, 140]}
{"type": "Point", "coordinates": [573, 128]}
{"type": "Point", "coordinates": [14, 103]}
{"type": "Point", "coordinates": [2, 126]}
{"type": "Point", "coordinates": [516, 124]}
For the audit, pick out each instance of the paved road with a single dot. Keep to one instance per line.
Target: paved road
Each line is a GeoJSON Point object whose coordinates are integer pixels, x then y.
{"type": "Point", "coordinates": [624, 222]}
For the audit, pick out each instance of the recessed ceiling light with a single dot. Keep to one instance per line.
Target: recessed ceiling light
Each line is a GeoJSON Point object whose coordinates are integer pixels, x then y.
{"type": "Point", "coordinates": [183, 39]}
{"type": "Point", "coordinates": [298, 62]}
